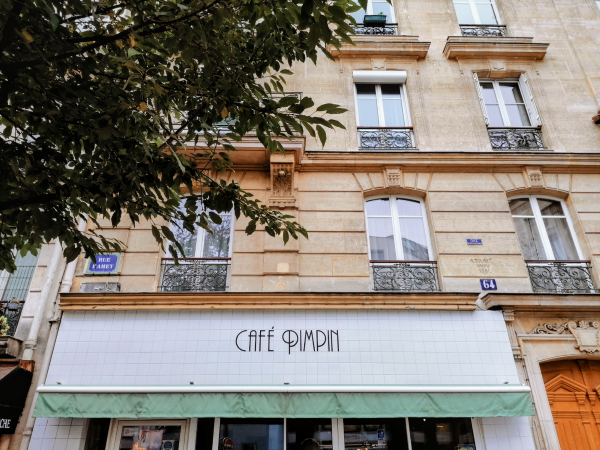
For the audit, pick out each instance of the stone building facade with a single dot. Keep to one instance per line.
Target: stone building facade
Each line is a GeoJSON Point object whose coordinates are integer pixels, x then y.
{"type": "Point", "coordinates": [448, 283]}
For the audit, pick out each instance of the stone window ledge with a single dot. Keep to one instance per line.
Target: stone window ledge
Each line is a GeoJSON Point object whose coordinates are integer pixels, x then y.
{"type": "Point", "coordinates": [486, 47]}
{"type": "Point", "coordinates": [382, 46]}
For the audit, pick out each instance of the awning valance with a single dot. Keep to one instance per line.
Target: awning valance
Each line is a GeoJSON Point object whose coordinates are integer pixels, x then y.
{"type": "Point", "coordinates": [290, 402]}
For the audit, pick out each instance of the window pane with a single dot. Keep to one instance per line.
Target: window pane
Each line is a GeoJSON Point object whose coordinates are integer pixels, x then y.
{"type": "Point", "coordinates": [529, 238]}
{"type": "Point", "coordinates": [365, 89]}
{"type": "Point", "coordinates": [517, 115]}
{"type": "Point", "coordinates": [186, 238]}
{"type": "Point", "coordinates": [150, 437]}
{"type": "Point", "coordinates": [489, 95]}
{"type": "Point", "coordinates": [367, 105]}
{"type": "Point", "coordinates": [375, 434]}
{"type": "Point", "coordinates": [408, 207]}
{"type": "Point", "coordinates": [441, 434]}
{"type": "Point", "coordinates": [520, 207]}
{"type": "Point", "coordinates": [511, 93]}
{"type": "Point", "coordinates": [550, 207]}
{"type": "Point", "coordinates": [309, 434]}
{"type": "Point", "coordinates": [384, 8]}
{"type": "Point", "coordinates": [379, 207]}
{"type": "Point", "coordinates": [248, 434]}
{"type": "Point", "coordinates": [381, 239]}
{"type": "Point", "coordinates": [486, 14]}
{"type": "Point", "coordinates": [494, 116]}
{"type": "Point", "coordinates": [561, 239]}
{"type": "Point", "coordinates": [392, 111]}
{"type": "Point", "coordinates": [414, 240]}
{"type": "Point", "coordinates": [464, 14]}
{"type": "Point", "coordinates": [216, 244]}
{"type": "Point", "coordinates": [390, 90]}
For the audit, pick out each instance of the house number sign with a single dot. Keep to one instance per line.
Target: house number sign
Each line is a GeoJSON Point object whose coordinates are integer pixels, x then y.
{"type": "Point", "coordinates": [298, 340]}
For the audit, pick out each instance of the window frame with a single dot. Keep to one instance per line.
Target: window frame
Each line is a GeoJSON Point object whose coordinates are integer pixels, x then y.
{"type": "Point", "coordinates": [475, 13]}
{"type": "Point", "coordinates": [185, 438]}
{"type": "Point", "coordinates": [502, 105]}
{"type": "Point", "coordinates": [380, 111]}
{"type": "Point", "coordinates": [396, 224]}
{"type": "Point", "coordinates": [539, 221]}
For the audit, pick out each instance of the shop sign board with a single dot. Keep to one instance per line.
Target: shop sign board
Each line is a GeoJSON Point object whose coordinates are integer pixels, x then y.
{"type": "Point", "coordinates": [107, 264]}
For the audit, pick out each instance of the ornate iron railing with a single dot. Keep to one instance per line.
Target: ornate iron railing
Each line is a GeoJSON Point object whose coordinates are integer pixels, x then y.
{"type": "Point", "coordinates": [566, 277]}
{"type": "Point", "coordinates": [405, 276]}
{"type": "Point", "coordinates": [386, 138]}
{"type": "Point", "coordinates": [483, 30]}
{"type": "Point", "coordinates": [516, 138]}
{"type": "Point", "coordinates": [195, 275]}
{"type": "Point", "coordinates": [389, 29]}
{"type": "Point", "coordinates": [11, 309]}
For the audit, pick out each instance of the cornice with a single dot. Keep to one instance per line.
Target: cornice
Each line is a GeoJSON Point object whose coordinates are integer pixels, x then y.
{"type": "Point", "coordinates": [388, 46]}
{"type": "Point", "coordinates": [531, 302]}
{"type": "Point", "coordinates": [493, 47]}
{"type": "Point", "coordinates": [79, 301]}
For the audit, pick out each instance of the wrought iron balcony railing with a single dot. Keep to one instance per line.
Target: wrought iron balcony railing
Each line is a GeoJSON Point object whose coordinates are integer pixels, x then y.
{"type": "Point", "coordinates": [405, 276]}
{"type": "Point", "coordinates": [483, 30]}
{"type": "Point", "coordinates": [524, 138]}
{"type": "Point", "coordinates": [389, 29]}
{"type": "Point", "coordinates": [561, 277]}
{"type": "Point", "coordinates": [11, 309]}
{"type": "Point", "coordinates": [195, 275]}
{"type": "Point", "coordinates": [386, 138]}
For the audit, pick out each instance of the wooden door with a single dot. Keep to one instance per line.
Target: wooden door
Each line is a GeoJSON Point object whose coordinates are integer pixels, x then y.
{"type": "Point", "coordinates": [573, 392]}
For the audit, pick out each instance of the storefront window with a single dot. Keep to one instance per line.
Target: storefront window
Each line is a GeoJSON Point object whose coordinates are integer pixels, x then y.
{"type": "Point", "coordinates": [441, 434]}
{"type": "Point", "coordinates": [248, 434]}
{"type": "Point", "coordinates": [309, 434]}
{"type": "Point", "coordinates": [371, 434]}
{"type": "Point", "coordinates": [150, 437]}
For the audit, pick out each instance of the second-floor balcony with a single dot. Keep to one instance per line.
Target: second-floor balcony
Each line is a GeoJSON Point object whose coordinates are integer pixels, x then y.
{"type": "Point", "coordinates": [386, 138]}
{"type": "Point", "coordinates": [516, 138]}
{"type": "Point", "coordinates": [405, 276]}
{"type": "Point", "coordinates": [13, 291]}
{"type": "Point", "coordinates": [560, 277]}
{"type": "Point", "coordinates": [387, 29]}
{"type": "Point", "coordinates": [483, 30]}
{"type": "Point", "coordinates": [195, 275]}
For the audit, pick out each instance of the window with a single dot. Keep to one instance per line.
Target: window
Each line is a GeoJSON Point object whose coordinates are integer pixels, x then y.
{"type": "Point", "coordinates": [472, 12]}
{"type": "Point", "coordinates": [381, 105]}
{"type": "Point", "coordinates": [207, 245]}
{"type": "Point", "coordinates": [14, 288]}
{"type": "Point", "coordinates": [507, 103]}
{"type": "Point", "coordinates": [397, 230]}
{"type": "Point", "coordinates": [544, 229]}
{"type": "Point", "coordinates": [149, 435]}
{"type": "Point", "coordinates": [441, 434]}
{"type": "Point", "coordinates": [376, 7]}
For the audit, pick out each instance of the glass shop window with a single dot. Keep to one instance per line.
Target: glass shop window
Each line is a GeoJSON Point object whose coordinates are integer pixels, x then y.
{"type": "Point", "coordinates": [150, 437]}
{"type": "Point", "coordinates": [375, 434]}
{"type": "Point", "coordinates": [309, 434]}
{"type": "Point", "coordinates": [251, 434]}
{"type": "Point", "coordinates": [441, 434]}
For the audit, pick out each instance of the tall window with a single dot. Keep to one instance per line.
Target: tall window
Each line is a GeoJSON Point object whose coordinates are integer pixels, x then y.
{"type": "Point", "coordinates": [544, 229]}
{"type": "Point", "coordinates": [507, 103]}
{"type": "Point", "coordinates": [472, 12]}
{"type": "Point", "coordinates": [376, 7]}
{"type": "Point", "coordinates": [202, 244]}
{"type": "Point", "coordinates": [381, 105]}
{"type": "Point", "coordinates": [397, 230]}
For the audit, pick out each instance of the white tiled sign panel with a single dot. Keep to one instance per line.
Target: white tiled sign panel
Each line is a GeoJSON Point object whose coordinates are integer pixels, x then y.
{"type": "Point", "coordinates": [375, 347]}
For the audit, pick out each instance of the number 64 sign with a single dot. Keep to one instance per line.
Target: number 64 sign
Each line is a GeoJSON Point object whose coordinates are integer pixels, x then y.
{"type": "Point", "coordinates": [488, 284]}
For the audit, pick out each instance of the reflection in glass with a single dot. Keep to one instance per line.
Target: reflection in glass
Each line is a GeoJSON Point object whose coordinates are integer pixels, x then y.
{"type": "Point", "coordinates": [379, 207]}
{"type": "Point", "coordinates": [309, 434]}
{"type": "Point", "coordinates": [486, 14]}
{"type": "Point", "coordinates": [561, 240]}
{"type": "Point", "coordinates": [375, 434]}
{"type": "Point", "coordinates": [491, 105]}
{"type": "Point", "coordinates": [515, 106]}
{"type": "Point", "coordinates": [383, 7]}
{"type": "Point", "coordinates": [408, 207]}
{"type": "Point", "coordinates": [529, 238]}
{"type": "Point", "coordinates": [441, 434]}
{"type": "Point", "coordinates": [463, 13]}
{"type": "Point", "coordinates": [367, 105]}
{"type": "Point", "coordinates": [381, 239]}
{"type": "Point", "coordinates": [414, 240]}
{"type": "Point", "coordinates": [252, 434]}
{"type": "Point", "coordinates": [150, 437]}
{"type": "Point", "coordinates": [550, 207]}
{"type": "Point", "coordinates": [521, 207]}
{"type": "Point", "coordinates": [392, 105]}
{"type": "Point", "coordinates": [187, 239]}
{"type": "Point", "coordinates": [216, 244]}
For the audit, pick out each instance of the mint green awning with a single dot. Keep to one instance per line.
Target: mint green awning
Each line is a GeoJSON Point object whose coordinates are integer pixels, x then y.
{"type": "Point", "coordinates": [283, 404]}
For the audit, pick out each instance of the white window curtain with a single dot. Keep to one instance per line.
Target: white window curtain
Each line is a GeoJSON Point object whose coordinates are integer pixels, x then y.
{"type": "Point", "coordinates": [544, 229]}
{"type": "Point", "coordinates": [397, 229]}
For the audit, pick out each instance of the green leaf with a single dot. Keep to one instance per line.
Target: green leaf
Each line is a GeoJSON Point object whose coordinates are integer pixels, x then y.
{"type": "Point", "coordinates": [215, 218]}
{"type": "Point", "coordinates": [322, 135]}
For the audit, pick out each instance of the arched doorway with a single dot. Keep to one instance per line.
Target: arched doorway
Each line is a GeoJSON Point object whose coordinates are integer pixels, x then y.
{"type": "Point", "coordinates": [573, 392]}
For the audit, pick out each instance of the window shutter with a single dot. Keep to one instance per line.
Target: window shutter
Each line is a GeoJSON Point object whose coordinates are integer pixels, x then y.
{"type": "Point", "coordinates": [527, 93]}
{"type": "Point", "coordinates": [481, 100]}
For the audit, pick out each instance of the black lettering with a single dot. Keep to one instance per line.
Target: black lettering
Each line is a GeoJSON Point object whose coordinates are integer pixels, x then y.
{"type": "Point", "coordinates": [236, 340]}
{"type": "Point", "coordinates": [309, 335]}
{"type": "Point", "coordinates": [269, 336]}
{"type": "Point", "coordinates": [250, 336]}
{"type": "Point", "coordinates": [261, 335]}
{"type": "Point", "coordinates": [337, 338]}
{"type": "Point", "coordinates": [319, 332]}
{"type": "Point", "coordinates": [289, 341]}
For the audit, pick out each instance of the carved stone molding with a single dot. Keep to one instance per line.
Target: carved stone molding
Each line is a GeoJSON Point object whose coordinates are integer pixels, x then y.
{"type": "Point", "coordinates": [282, 184]}
{"type": "Point", "coordinates": [535, 177]}
{"type": "Point", "coordinates": [586, 332]}
{"type": "Point", "coordinates": [393, 176]}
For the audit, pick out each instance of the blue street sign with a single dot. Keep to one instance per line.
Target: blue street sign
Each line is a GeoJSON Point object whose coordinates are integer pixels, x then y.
{"type": "Point", "coordinates": [105, 264]}
{"type": "Point", "coordinates": [488, 284]}
{"type": "Point", "coordinates": [474, 242]}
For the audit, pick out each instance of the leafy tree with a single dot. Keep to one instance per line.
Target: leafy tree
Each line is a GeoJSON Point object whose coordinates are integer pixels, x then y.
{"type": "Point", "coordinates": [98, 100]}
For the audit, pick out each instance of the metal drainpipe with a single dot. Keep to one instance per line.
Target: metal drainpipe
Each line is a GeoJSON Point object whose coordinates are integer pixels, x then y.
{"type": "Point", "coordinates": [65, 286]}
